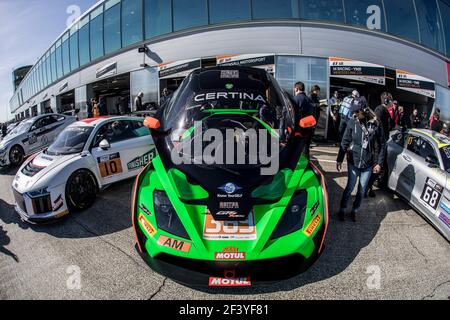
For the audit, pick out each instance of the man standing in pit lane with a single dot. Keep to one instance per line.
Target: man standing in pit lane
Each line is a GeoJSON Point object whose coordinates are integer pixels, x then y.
{"type": "Point", "coordinates": [387, 123]}
{"type": "Point", "coordinates": [364, 144]}
{"type": "Point", "coordinates": [335, 104]}
{"type": "Point", "coordinates": [303, 107]}
{"type": "Point", "coordinates": [352, 102]}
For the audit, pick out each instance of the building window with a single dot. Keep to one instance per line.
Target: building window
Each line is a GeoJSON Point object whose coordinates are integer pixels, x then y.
{"type": "Point", "coordinates": [312, 71]}
{"type": "Point", "coordinates": [445, 14]}
{"type": "Point", "coordinates": [280, 9]}
{"type": "Point", "coordinates": [59, 63]}
{"type": "Point", "coordinates": [401, 19]}
{"type": "Point", "coordinates": [147, 81]}
{"type": "Point", "coordinates": [131, 22]}
{"type": "Point", "coordinates": [83, 38]}
{"type": "Point", "coordinates": [365, 13]}
{"type": "Point", "coordinates": [158, 17]}
{"type": "Point", "coordinates": [96, 31]}
{"type": "Point", "coordinates": [66, 57]}
{"type": "Point", "coordinates": [326, 10]}
{"type": "Point", "coordinates": [74, 60]}
{"type": "Point", "coordinates": [112, 35]}
{"type": "Point", "coordinates": [47, 71]}
{"type": "Point", "coordinates": [431, 34]}
{"type": "Point", "coordinates": [189, 14]}
{"type": "Point", "coordinates": [231, 10]}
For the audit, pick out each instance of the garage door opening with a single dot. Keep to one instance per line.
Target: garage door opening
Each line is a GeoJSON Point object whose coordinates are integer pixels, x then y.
{"type": "Point", "coordinates": [114, 92]}
{"type": "Point", "coordinates": [410, 91]}
{"type": "Point", "coordinates": [66, 103]}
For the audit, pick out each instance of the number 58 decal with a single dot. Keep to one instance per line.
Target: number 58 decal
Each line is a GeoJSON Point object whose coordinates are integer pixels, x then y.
{"type": "Point", "coordinates": [432, 193]}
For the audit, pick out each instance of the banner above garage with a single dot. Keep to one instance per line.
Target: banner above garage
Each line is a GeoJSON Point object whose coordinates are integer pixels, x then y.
{"type": "Point", "coordinates": [416, 84]}
{"type": "Point", "coordinates": [178, 69]}
{"type": "Point", "coordinates": [262, 61]}
{"type": "Point", "coordinates": [357, 70]}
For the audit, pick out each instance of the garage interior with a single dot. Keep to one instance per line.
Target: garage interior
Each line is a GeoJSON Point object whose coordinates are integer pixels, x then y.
{"type": "Point", "coordinates": [115, 91]}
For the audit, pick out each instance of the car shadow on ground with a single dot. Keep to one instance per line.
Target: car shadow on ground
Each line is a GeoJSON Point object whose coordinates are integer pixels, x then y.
{"type": "Point", "coordinates": [8, 171]}
{"type": "Point", "coordinates": [109, 214]}
{"type": "Point", "coordinates": [344, 240]}
{"type": "Point", "coordinates": [4, 241]}
{"type": "Point", "coordinates": [6, 216]}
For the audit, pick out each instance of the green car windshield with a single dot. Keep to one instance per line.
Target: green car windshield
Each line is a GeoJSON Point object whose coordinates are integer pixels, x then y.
{"type": "Point", "coordinates": [253, 92]}
{"type": "Point", "coordinates": [243, 100]}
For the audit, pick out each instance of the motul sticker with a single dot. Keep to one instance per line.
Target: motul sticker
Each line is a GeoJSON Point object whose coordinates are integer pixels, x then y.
{"type": "Point", "coordinates": [230, 253]}
{"type": "Point", "coordinates": [147, 226]}
{"type": "Point", "coordinates": [229, 282]}
{"type": "Point", "coordinates": [313, 225]}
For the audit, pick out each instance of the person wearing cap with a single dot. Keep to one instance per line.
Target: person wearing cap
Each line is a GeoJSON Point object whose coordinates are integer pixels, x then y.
{"type": "Point", "coordinates": [349, 105]}
{"type": "Point", "coordinates": [364, 144]}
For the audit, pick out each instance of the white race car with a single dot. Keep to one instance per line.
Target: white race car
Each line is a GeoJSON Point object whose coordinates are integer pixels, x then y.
{"type": "Point", "coordinates": [31, 136]}
{"type": "Point", "coordinates": [87, 156]}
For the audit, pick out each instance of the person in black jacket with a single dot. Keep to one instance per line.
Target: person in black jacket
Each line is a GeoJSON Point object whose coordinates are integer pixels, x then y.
{"type": "Point", "coordinates": [364, 144]}
{"type": "Point", "coordinates": [383, 115]}
{"type": "Point", "coordinates": [415, 120]}
{"type": "Point", "coordinates": [304, 108]}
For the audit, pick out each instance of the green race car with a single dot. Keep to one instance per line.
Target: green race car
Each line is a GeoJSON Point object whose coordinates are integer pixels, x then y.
{"type": "Point", "coordinates": [230, 200]}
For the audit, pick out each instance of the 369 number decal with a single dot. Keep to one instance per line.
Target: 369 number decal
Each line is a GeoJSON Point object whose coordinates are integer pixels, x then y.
{"type": "Point", "coordinates": [229, 230]}
{"type": "Point", "coordinates": [110, 165]}
{"type": "Point", "coordinates": [432, 193]}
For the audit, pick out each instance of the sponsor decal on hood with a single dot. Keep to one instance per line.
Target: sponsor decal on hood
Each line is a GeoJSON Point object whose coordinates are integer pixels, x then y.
{"type": "Point", "coordinates": [230, 253]}
{"type": "Point", "coordinates": [175, 244]}
{"type": "Point", "coordinates": [147, 226]}
{"type": "Point", "coordinates": [313, 225]}
{"type": "Point", "coordinates": [229, 282]}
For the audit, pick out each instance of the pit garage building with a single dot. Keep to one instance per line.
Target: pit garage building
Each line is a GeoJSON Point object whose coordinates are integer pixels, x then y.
{"type": "Point", "coordinates": [119, 48]}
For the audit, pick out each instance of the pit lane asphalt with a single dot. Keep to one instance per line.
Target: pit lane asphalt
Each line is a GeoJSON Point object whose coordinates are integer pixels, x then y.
{"type": "Point", "coordinates": [36, 262]}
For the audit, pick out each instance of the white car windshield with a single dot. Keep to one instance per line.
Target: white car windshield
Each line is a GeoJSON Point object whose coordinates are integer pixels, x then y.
{"type": "Point", "coordinates": [22, 128]}
{"type": "Point", "coordinates": [71, 140]}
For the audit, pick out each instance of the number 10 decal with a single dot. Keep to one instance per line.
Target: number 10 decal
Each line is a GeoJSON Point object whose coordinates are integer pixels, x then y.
{"type": "Point", "coordinates": [110, 165]}
{"type": "Point", "coordinates": [432, 193]}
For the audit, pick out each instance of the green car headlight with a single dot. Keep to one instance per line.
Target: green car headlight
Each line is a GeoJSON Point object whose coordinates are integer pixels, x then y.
{"type": "Point", "coordinates": [293, 216]}
{"type": "Point", "coordinates": [166, 216]}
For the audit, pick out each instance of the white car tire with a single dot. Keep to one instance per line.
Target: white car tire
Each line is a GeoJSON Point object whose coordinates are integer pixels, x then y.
{"type": "Point", "coordinates": [81, 190]}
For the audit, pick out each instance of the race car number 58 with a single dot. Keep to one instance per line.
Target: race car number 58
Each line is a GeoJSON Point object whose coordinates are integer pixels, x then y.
{"type": "Point", "coordinates": [432, 193]}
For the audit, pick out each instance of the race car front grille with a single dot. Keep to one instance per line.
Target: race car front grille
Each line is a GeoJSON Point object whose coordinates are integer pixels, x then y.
{"type": "Point", "coordinates": [42, 204]}
{"type": "Point", "coordinates": [18, 197]}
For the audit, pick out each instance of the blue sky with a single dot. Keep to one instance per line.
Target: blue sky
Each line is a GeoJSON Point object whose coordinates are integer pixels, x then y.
{"type": "Point", "coordinates": [27, 29]}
